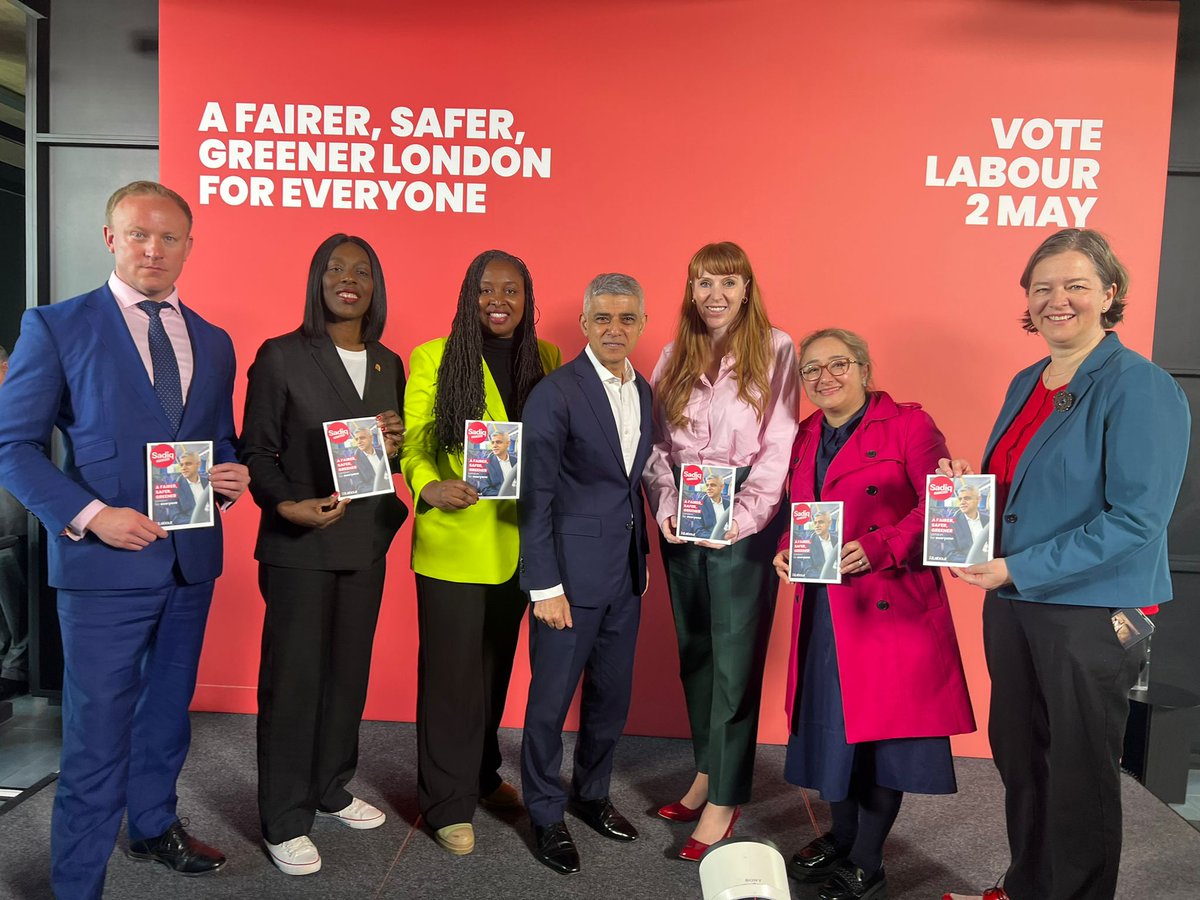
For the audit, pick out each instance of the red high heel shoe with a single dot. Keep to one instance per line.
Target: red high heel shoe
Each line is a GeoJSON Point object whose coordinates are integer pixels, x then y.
{"type": "Point", "coordinates": [677, 812]}
{"type": "Point", "coordinates": [996, 893]}
{"type": "Point", "coordinates": [693, 849]}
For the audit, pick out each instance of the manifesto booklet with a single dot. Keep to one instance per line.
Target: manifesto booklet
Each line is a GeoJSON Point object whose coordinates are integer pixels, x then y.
{"type": "Point", "coordinates": [358, 458]}
{"type": "Point", "coordinates": [705, 503]}
{"type": "Point", "coordinates": [960, 525]}
{"type": "Point", "coordinates": [492, 458]}
{"type": "Point", "coordinates": [816, 543]}
{"type": "Point", "coordinates": [179, 494]}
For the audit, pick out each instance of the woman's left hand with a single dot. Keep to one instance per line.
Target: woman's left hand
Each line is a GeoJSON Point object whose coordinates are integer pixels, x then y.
{"type": "Point", "coordinates": [731, 535]}
{"type": "Point", "coordinates": [392, 427]}
{"type": "Point", "coordinates": [854, 559]}
{"type": "Point", "coordinates": [988, 575]}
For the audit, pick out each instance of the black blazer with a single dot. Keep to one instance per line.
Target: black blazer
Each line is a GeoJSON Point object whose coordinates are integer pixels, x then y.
{"type": "Point", "coordinates": [295, 384]}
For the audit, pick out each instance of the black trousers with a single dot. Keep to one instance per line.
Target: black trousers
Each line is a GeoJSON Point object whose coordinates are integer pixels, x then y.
{"type": "Point", "coordinates": [1060, 686]}
{"type": "Point", "coordinates": [468, 638]}
{"type": "Point", "coordinates": [312, 685]}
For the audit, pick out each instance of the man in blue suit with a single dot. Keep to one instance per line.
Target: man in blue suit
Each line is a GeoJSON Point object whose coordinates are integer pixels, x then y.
{"type": "Point", "coordinates": [192, 509]}
{"type": "Point", "coordinates": [712, 525]}
{"type": "Point", "coordinates": [583, 545]}
{"type": "Point", "coordinates": [500, 478]}
{"type": "Point", "coordinates": [122, 366]}
{"type": "Point", "coordinates": [970, 528]}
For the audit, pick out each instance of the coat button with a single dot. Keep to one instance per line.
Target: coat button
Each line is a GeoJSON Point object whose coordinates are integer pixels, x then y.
{"type": "Point", "coordinates": [872, 490]}
{"type": "Point", "coordinates": [882, 604]}
{"type": "Point", "coordinates": [1010, 518]}
{"type": "Point", "coordinates": [872, 528]}
{"type": "Point", "coordinates": [871, 454]}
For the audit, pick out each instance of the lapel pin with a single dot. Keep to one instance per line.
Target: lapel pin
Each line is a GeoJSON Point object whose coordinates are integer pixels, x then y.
{"type": "Point", "coordinates": [1064, 401]}
{"type": "Point", "coordinates": [378, 367]}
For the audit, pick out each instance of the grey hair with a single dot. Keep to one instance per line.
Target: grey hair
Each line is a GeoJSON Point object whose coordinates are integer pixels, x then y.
{"type": "Point", "coordinates": [614, 283]}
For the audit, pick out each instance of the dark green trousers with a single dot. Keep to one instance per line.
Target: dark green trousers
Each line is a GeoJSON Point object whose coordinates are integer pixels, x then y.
{"type": "Point", "coordinates": [724, 604]}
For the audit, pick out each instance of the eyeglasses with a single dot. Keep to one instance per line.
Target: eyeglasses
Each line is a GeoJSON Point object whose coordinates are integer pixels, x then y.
{"type": "Point", "coordinates": [837, 368]}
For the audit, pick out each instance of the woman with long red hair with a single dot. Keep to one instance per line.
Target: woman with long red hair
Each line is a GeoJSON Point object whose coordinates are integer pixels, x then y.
{"type": "Point", "coordinates": [725, 393]}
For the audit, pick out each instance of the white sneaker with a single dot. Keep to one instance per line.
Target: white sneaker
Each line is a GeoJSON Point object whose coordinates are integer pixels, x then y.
{"type": "Point", "coordinates": [295, 857]}
{"type": "Point", "coordinates": [358, 814]}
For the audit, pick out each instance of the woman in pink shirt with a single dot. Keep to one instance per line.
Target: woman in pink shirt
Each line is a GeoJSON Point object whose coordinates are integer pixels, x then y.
{"type": "Point", "coordinates": [725, 393]}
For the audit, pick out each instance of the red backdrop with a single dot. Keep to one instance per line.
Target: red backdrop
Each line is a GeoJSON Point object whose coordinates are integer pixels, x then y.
{"type": "Point", "coordinates": [823, 138]}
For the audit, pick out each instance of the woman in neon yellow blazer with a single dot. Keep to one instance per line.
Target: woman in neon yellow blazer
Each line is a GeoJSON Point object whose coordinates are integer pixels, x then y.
{"type": "Point", "coordinates": [469, 602]}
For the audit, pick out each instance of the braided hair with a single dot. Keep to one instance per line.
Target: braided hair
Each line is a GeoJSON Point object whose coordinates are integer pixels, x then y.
{"type": "Point", "coordinates": [460, 376]}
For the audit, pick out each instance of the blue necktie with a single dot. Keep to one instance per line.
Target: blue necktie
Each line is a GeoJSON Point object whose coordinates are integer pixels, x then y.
{"type": "Point", "coordinates": [166, 367]}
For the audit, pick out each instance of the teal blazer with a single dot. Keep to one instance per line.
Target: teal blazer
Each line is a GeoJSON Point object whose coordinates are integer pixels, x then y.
{"type": "Point", "coordinates": [1087, 513]}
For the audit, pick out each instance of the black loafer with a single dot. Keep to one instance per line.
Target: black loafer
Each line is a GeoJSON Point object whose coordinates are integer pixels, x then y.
{"type": "Point", "coordinates": [178, 851]}
{"type": "Point", "coordinates": [851, 883]}
{"type": "Point", "coordinates": [555, 848]}
{"type": "Point", "coordinates": [603, 817]}
{"type": "Point", "coordinates": [817, 860]}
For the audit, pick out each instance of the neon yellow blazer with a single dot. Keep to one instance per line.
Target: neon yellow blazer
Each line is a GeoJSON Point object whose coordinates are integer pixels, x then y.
{"type": "Point", "coordinates": [478, 544]}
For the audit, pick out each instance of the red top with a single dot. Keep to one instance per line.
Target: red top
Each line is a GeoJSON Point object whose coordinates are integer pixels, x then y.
{"type": "Point", "coordinates": [1007, 452]}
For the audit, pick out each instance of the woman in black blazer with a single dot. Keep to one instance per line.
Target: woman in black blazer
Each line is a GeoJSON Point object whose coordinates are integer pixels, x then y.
{"type": "Point", "coordinates": [321, 559]}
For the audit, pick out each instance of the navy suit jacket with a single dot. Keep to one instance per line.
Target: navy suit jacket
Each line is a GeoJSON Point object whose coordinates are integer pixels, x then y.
{"type": "Point", "coordinates": [495, 476]}
{"type": "Point", "coordinates": [1087, 512]}
{"type": "Point", "coordinates": [75, 367]}
{"type": "Point", "coordinates": [963, 539]}
{"type": "Point", "coordinates": [816, 562]}
{"type": "Point", "coordinates": [579, 512]}
{"type": "Point", "coordinates": [186, 499]}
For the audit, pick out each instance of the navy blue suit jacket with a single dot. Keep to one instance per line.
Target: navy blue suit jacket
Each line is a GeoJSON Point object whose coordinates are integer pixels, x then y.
{"type": "Point", "coordinates": [1087, 512]}
{"type": "Point", "coordinates": [579, 511]}
{"type": "Point", "coordinates": [75, 367]}
{"type": "Point", "coordinates": [186, 499]}
{"type": "Point", "coordinates": [495, 476]}
{"type": "Point", "coordinates": [963, 539]}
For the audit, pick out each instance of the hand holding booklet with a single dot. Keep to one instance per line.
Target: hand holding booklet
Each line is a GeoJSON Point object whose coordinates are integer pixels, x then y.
{"type": "Point", "coordinates": [960, 523]}
{"type": "Point", "coordinates": [815, 544]}
{"type": "Point", "coordinates": [179, 494]}
{"type": "Point", "coordinates": [492, 458]}
{"type": "Point", "coordinates": [357, 457]}
{"type": "Point", "coordinates": [705, 503]}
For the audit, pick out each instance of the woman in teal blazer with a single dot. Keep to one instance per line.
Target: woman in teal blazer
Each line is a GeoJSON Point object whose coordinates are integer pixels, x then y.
{"type": "Point", "coordinates": [1088, 453]}
{"type": "Point", "coordinates": [469, 603]}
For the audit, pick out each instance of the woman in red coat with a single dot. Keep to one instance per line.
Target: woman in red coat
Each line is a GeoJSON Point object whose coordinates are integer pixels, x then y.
{"type": "Point", "coordinates": [875, 684]}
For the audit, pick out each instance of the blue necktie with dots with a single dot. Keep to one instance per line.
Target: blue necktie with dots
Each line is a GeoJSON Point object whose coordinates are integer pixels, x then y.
{"type": "Point", "coordinates": [165, 365]}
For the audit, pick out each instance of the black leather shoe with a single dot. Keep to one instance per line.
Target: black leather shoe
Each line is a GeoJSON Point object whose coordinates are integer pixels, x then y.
{"type": "Point", "coordinates": [555, 848]}
{"type": "Point", "coordinates": [178, 850]}
{"type": "Point", "coordinates": [851, 883]}
{"type": "Point", "coordinates": [603, 817]}
{"type": "Point", "coordinates": [12, 687]}
{"type": "Point", "coordinates": [817, 860]}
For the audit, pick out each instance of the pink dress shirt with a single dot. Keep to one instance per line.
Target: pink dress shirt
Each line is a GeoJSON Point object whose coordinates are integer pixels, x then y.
{"type": "Point", "coordinates": [138, 322]}
{"type": "Point", "coordinates": [724, 431]}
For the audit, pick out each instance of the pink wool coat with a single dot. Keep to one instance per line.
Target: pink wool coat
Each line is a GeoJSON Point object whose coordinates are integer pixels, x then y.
{"type": "Point", "coordinates": [898, 657]}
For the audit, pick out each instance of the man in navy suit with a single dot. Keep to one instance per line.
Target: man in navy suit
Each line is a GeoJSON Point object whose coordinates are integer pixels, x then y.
{"type": "Point", "coordinates": [370, 462]}
{"type": "Point", "coordinates": [192, 508]}
{"type": "Point", "coordinates": [970, 527]}
{"type": "Point", "coordinates": [122, 366]}
{"type": "Point", "coordinates": [500, 477]}
{"type": "Point", "coordinates": [815, 566]}
{"type": "Point", "coordinates": [714, 526]}
{"type": "Point", "coordinates": [583, 545]}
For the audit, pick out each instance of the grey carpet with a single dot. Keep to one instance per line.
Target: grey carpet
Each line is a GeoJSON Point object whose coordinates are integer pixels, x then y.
{"type": "Point", "coordinates": [938, 844]}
